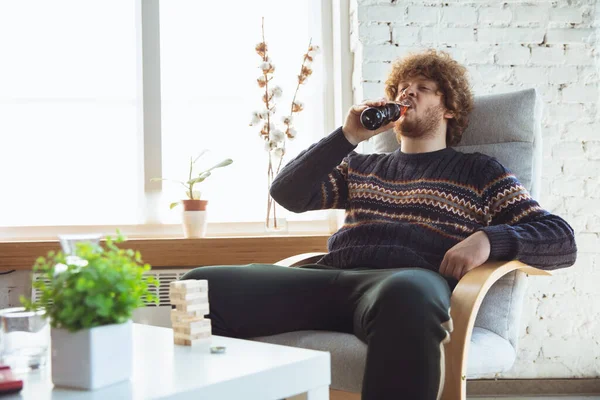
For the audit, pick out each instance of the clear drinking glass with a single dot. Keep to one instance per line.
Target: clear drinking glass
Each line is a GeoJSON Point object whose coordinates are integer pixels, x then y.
{"type": "Point", "coordinates": [68, 242]}
{"type": "Point", "coordinates": [24, 338]}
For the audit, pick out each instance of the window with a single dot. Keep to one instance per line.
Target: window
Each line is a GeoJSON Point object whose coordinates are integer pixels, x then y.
{"type": "Point", "coordinates": [68, 150]}
{"type": "Point", "coordinates": [208, 75]}
{"type": "Point", "coordinates": [70, 104]}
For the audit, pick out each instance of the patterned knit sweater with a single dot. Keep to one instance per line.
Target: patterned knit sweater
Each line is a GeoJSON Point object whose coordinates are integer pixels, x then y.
{"type": "Point", "coordinates": [408, 210]}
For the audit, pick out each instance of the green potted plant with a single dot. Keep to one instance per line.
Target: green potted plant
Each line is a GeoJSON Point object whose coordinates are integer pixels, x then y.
{"type": "Point", "coordinates": [194, 208]}
{"type": "Point", "coordinates": [89, 293]}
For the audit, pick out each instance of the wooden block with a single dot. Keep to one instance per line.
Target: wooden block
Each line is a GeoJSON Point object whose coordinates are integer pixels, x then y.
{"type": "Point", "coordinates": [185, 319]}
{"type": "Point", "coordinates": [186, 296]}
{"type": "Point", "coordinates": [195, 336]}
{"type": "Point", "coordinates": [189, 342]}
{"type": "Point", "coordinates": [191, 329]}
{"type": "Point", "coordinates": [202, 308]}
{"type": "Point", "coordinates": [180, 316]}
{"type": "Point", "coordinates": [198, 298]}
{"type": "Point", "coordinates": [190, 290]}
{"type": "Point", "coordinates": [191, 285]}
{"type": "Point", "coordinates": [179, 331]}
{"type": "Point", "coordinates": [192, 324]}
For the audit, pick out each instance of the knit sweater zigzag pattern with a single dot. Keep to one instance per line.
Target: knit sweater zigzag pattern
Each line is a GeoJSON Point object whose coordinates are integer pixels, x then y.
{"type": "Point", "coordinates": [407, 210]}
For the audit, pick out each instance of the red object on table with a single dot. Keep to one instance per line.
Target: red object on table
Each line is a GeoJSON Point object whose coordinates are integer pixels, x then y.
{"type": "Point", "coordinates": [8, 382]}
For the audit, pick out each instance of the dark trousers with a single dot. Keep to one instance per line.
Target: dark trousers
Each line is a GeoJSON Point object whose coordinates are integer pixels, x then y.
{"type": "Point", "coordinates": [401, 314]}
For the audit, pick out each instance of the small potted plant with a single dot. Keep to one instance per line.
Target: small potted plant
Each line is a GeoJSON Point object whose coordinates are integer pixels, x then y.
{"type": "Point", "coordinates": [89, 296]}
{"type": "Point", "coordinates": [194, 208]}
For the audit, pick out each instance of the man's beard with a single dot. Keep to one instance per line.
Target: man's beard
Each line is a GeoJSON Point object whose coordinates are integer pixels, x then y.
{"type": "Point", "coordinates": [420, 127]}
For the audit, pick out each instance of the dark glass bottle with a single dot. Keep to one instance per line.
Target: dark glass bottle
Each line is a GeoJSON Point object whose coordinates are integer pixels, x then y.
{"type": "Point", "coordinates": [373, 118]}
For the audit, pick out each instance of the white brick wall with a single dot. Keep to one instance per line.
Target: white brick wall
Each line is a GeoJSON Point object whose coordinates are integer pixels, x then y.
{"type": "Point", "coordinates": [566, 15]}
{"type": "Point", "coordinates": [494, 16]}
{"type": "Point", "coordinates": [512, 45]}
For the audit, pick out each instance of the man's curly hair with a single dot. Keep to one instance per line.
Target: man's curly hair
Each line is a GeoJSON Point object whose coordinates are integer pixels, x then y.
{"type": "Point", "coordinates": [452, 81]}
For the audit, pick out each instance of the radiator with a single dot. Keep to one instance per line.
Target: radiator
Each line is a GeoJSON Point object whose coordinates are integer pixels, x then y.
{"type": "Point", "coordinates": [150, 314]}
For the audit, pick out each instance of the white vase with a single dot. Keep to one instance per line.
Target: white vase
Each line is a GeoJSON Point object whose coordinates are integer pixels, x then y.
{"type": "Point", "coordinates": [194, 224]}
{"type": "Point", "coordinates": [92, 358]}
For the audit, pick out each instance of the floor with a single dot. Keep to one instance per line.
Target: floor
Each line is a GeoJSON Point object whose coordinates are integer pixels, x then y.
{"type": "Point", "coordinates": [540, 397]}
{"type": "Point", "coordinates": [545, 397]}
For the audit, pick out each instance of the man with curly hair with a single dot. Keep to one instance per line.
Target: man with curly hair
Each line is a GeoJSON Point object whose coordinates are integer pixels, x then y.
{"type": "Point", "coordinates": [417, 220]}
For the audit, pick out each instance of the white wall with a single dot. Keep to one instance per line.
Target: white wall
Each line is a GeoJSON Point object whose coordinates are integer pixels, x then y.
{"type": "Point", "coordinates": [509, 46]}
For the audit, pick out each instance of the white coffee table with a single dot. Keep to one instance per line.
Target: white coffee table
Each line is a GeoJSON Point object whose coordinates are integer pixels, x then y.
{"type": "Point", "coordinates": [248, 370]}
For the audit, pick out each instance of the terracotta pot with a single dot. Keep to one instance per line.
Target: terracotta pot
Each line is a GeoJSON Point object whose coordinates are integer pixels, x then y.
{"type": "Point", "coordinates": [194, 205]}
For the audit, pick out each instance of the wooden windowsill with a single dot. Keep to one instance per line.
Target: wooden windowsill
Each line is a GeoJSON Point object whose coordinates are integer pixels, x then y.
{"type": "Point", "coordinates": [179, 252]}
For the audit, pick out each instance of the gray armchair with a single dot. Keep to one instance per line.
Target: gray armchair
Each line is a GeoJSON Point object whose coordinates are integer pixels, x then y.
{"type": "Point", "coordinates": [487, 302]}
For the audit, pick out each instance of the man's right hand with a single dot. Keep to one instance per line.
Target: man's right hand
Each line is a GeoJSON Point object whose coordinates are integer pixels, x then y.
{"type": "Point", "coordinates": [353, 129]}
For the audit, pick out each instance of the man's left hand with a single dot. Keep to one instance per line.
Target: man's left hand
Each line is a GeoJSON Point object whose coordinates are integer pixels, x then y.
{"type": "Point", "coordinates": [466, 255]}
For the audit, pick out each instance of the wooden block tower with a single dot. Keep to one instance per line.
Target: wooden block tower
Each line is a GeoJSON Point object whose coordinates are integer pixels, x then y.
{"type": "Point", "coordinates": [190, 298]}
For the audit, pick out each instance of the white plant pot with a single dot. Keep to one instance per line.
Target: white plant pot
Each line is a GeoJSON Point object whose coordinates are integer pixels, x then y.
{"type": "Point", "coordinates": [92, 358]}
{"type": "Point", "coordinates": [194, 224]}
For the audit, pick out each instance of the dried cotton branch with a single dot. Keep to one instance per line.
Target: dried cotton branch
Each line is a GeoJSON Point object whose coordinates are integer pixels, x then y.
{"type": "Point", "coordinates": [273, 137]}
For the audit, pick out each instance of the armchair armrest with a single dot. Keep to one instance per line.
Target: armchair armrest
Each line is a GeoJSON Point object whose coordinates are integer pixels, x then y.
{"type": "Point", "coordinates": [465, 303]}
{"type": "Point", "coordinates": [300, 259]}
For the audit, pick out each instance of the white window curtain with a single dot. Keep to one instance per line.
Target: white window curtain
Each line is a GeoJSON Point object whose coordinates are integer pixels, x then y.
{"type": "Point", "coordinates": [69, 141]}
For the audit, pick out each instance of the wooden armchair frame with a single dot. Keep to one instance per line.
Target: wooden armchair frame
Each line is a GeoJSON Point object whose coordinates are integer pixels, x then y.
{"type": "Point", "coordinates": [465, 303]}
